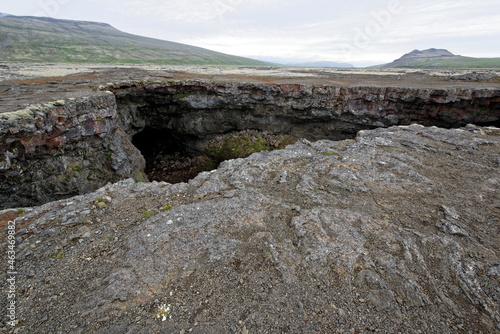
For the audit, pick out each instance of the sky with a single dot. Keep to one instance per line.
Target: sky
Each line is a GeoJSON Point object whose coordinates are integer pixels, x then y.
{"type": "Point", "coordinates": [359, 32]}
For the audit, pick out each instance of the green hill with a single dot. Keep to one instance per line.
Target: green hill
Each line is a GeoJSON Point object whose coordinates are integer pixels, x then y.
{"type": "Point", "coordinates": [40, 39]}
{"type": "Point", "coordinates": [440, 58]}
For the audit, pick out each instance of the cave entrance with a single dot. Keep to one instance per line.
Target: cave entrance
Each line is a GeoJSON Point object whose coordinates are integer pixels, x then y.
{"type": "Point", "coordinates": [170, 158]}
{"type": "Point", "coordinates": [167, 157]}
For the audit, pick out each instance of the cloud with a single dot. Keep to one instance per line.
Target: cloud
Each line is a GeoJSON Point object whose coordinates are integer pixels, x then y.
{"type": "Point", "coordinates": [377, 33]}
{"type": "Point", "coordinates": [192, 11]}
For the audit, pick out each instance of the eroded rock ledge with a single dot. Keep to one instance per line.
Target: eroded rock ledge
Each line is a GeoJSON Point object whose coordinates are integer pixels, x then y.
{"type": "Point", "coordinates": [201, 108]}
{"type": "Point", "coordinates": [396, 230]}
{"type": "Point", "coordinates": [74, 146]}
{"type": "Point", "coordinates": [56, 150]}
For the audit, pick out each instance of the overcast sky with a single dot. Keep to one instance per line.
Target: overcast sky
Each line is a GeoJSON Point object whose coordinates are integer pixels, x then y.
{"type": "Point", "coordinates": [359, 32]}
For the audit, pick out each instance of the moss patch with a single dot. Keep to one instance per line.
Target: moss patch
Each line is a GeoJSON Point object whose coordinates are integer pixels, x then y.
{"type": "Point", "coordinates": [140, 177]}
{"type": "Point", "coordinates": [242, 144]}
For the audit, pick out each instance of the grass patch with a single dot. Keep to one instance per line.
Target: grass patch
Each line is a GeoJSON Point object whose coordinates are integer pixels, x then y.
{"type": "Point", "coordinates": [74, 168]}
{"type": "Point", "coordinates": [164, 312]}
{"type": "Point", "coordinates": [58, 255]}
{"type": "Point", "coordinates": [148, 214]}
{"type": "Point", "coordinates": [453, 63]}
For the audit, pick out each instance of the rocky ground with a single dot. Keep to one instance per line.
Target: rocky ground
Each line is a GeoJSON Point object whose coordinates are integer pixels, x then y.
{"type": "Point", "coordinates": [396, 231]}
{"type": "Point", "coordinates": [21, 84]}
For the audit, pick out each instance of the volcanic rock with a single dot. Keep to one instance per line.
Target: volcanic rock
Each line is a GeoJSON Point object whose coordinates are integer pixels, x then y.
{"type": "Point", "coordinates": [396, 230]}
{"type": "Point", "coordinates": [71, 146]}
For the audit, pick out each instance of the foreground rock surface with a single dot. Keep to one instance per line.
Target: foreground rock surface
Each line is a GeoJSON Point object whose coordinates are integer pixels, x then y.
{"type": "Point", "coordinates": [395, 231]}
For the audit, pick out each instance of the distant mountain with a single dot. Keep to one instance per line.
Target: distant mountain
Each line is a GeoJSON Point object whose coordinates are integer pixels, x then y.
{"type": "Point", "coordinates": [417, 55]}
{"type": "Point", "coordinates": [441, 58]}
{"type": "Point", "coordinates": [323, 64]}
{"type": "Point", "coordinates": [301, 62]}
{"type": "Point", "coordinates": [3, 15]}
{"type": "Point", "coordinates": [42, 39]}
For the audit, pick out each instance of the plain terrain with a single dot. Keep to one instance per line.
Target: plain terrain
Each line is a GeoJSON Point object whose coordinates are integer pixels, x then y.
{"type": "Point", "coordinates": [22, 84]}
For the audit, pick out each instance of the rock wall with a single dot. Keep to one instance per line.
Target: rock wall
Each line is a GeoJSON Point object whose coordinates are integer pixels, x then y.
{"type": "Point", "coordinates": [56, 150]}
{"type": "Point", "coordinates": [203, 108]}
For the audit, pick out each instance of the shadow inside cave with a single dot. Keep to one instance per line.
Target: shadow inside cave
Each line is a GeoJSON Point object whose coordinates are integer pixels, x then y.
{"type": "Point", "coordinates": [167, 157]}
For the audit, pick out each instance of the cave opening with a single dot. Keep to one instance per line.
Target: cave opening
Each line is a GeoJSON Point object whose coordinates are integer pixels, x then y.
{"type": "Point", "coordinates": [495, 124]}
{"type": "Point", "coordinates": [167, 156]}
{"type": "Point", "coordinates": [170, 156]}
